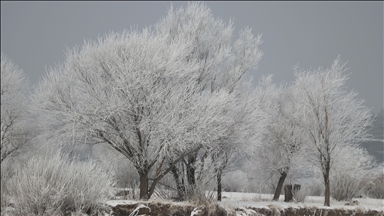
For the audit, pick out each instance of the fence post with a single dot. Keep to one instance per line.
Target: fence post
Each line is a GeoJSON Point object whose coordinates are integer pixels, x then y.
{"type": "Point", "coordinates": [288, 196]}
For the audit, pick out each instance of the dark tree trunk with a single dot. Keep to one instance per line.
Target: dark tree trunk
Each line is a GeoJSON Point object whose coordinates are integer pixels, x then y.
{"type": "Point", "coordinates": [288, 196]}
{"type": "Point", "coordinates": [327, 193]}
{"type": "Point", "coordinates": [147, 190]}
{"type": "Point", "coordinates": [191, 170]}
{"type": "Point", "coordinates": [219, 174]}
{"type": "Point", "coordinates": [279, 186]}
{"type": "Point", "coordinates": [180, 185]}
{"type": "Point", "coordinates": [143, 185]}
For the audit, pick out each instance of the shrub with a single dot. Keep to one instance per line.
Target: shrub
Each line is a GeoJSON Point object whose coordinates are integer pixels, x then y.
{"type": "Point", "coordinates": [376, 186]}
{"type": "Point", "coordinates": [235, 181]}
{"type": "Point", "coordinates": [200, 196]}
{"type": "Point", "coordinates": [351, 178]}
{"type": "Point", "coordinates": [316, 189]}
{"type": "Point", "coordinates": [346, 186]}
{"type": "Point", "coordinates": [53, 184]}
{"type": "Point", "coordinates": [7, 171]}
{"type": "Point", "coordinates": [300, 195]}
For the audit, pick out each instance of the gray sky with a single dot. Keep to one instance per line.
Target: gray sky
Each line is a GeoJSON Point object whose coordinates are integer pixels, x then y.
{"type": "Point", "coordinates": [311, 34]}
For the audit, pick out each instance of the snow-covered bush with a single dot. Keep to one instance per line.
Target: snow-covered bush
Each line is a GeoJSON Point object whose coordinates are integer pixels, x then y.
{"type": "Point", "coordinates": [199, 195]}
{"type": "Point", "coordinates": [316, 189]}
{"type": "Point", "coordinates": [300, 195]}
{"type": "Point", "coordinates": [351, 178]}
{"type": "Point", "coordinates": [376, 185]}
{"type": "Point", "coordinates": [52, 184]}
{"type": "Point", "coordinates": [236, 181]}
{"type": "Point", "coordinates": [5, 174]}
{"type": "Point", "coordinates": [345, 186]}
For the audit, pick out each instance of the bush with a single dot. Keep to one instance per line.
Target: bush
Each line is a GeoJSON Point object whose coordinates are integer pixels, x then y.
{"type": "Point", "coordinates": [351, 178]}
{"type": "Point", "coordinates": [376, 186]}
{"type": "Point", "coordinates": [7, 171]}
{"type": "Point", "coordinates": [4, 189]}
{"type": "Point", "coordinates": [301, 194]}
{"type": "Point", "coordinates": [199, 195]}
{"type": "Point", "coordinates": [53, 184]}
{"type": "Point", "coordinates": [236, 181]}
{"type": "Point", "coordinates": [345, 186]}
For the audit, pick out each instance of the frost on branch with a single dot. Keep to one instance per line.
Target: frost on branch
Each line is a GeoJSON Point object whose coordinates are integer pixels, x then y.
{"type": "Point", "coordinates": [132, 91]}
{"type": "Point", "coordinates": [353, 173]}
{"type": "Point", "coordinates": [332, 117]}
{"type": "Point", "coordinates": [156, 96]}
{"type": "Point", "coordinates": [280, 152]}
{"type": "Point", "coordinates": [13, 107]}
{"type": "Point", "coordinates": [221, 66]}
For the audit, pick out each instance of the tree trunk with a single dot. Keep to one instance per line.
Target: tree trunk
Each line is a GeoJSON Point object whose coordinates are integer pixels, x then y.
{"type": "Point", "coordinates": [288, 196]}
{"type": "Point", "coordinates": [143, 185]}
{"type": "Point", "coordinates": [327, 192]}
{"type": "Point", "coordinates": [191, 170]}
{"type": "Point", "coordinates": [219, 185]}
{"type": "Point", "coordinates": [279, 186]}
{"type": "Point", "coordinates": [180, 185]}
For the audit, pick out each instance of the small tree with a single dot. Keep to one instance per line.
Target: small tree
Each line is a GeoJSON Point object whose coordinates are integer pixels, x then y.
{"type": "Point", "coordinates": [13, 108]}
{"type": "Point", "coordinates": [332, 117]}
{"type": "Point", "coordinates": [280, 151]}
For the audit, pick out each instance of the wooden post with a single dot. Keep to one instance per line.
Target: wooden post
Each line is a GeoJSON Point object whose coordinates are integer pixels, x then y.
{"type": "Point", "coordinates": [288, 196]}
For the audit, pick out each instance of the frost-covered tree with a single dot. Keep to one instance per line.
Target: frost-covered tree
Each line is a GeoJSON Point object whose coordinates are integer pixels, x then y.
{"type": "Point", "coordinates": [280, 151]}
{"type": "Point", "coordinates": [14, 85]}
{"type": "Point", "coordinates": [138, 93]}
{"type": "Point", "coordinates": [332, 116]}
{"type": "Point", "coordinates": [159, 96]}
{"type": "Point", "coordinates": [245, 134]}
{"type": "Point", "coordinates": [222, 65]}
{"type": "Point", "coordinates": [222, 62]}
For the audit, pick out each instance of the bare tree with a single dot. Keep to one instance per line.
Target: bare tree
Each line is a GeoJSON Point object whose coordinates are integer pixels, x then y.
{"type": "Point", "coordinates": [14, 85]}
{"type": "Point", "coordinates": [332, 117]}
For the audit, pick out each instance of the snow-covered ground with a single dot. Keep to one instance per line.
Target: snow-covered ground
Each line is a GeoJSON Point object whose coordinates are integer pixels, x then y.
{"type": "Point", "coordinates": [237, 199]}
{"type": "Point", "coordinates": [234, 200]}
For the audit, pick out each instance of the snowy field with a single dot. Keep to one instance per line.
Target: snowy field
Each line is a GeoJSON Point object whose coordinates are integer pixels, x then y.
{"type": "Point", "coordinates": [237, 200]}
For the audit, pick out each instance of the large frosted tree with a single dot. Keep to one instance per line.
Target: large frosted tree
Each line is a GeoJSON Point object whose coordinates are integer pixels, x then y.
{"type": "Point", "coordinates": [332, 116]}
{"type": "Point", "coordinates": [222, 66]}
{"type": "Point", "coordinates": [14, 85]}
{"type": "Point", "coordinates": [156, 96]}
{"type": "Point", "coordinates": [137, 93]}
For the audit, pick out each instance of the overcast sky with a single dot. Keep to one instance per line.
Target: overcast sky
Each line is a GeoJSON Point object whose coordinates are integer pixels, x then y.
{"type": "Point", "coordinates": [311, 34]}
